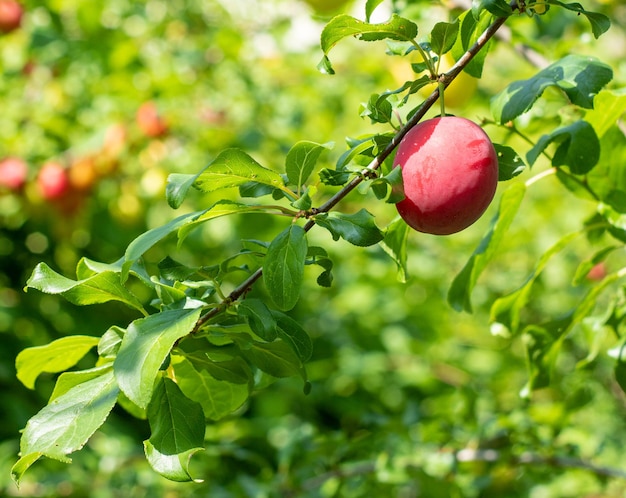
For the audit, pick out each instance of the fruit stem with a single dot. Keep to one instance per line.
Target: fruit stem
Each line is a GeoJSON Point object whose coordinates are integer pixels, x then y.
{"type": "Point", "coordinates": [442, 104]}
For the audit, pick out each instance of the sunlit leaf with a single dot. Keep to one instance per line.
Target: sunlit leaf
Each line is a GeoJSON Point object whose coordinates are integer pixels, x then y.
{"type": "Point", "coordinates": [578, 147]}
{"type": "Point", "coordinates": [65, 425]}
{"type": "Point", "coordinates": [218, 398]}
{"type": "Point", "coordinates": [342, 26]}
{"type": "Point", "coordinates": [510, 164]}
{"type": "Point", "coordinates": [459, 295]}
{"type": "Point", "coordinates": [232, 168]}
{"type": "Point", "coordinates": [97, 289]}
{"type": "Point", "coordinates": [145, 346]}
{"type": "Point", "coordinates": [579, 77]}
{"type": "Point", "coordinates": [177, 425]}
{"type": "Point", "coordinates": [301, 160]}
{"type": "Point", "coordinates": [394, 244]}
{"type": "Point", "coordinates": [443, 36]}
{"type": "Point", "coordinates": [57, 356]}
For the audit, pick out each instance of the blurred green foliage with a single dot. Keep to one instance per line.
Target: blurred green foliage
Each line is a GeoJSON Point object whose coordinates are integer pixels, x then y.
{"type": "Point", "coordinates": [406, 392]}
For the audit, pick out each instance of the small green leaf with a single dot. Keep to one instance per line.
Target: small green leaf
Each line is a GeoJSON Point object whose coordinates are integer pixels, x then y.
{"type": "Point", "coordinates": [68, 380]}
{"type": "Point", "coordinates": [284, 267]}
{"type": "Point", "coordinates": [172, 467]}
{"type": "Point", "coordinates": [370, 6]}
{"type": "Point", "coordinates": [459, 295]}
{"type": "Point", "coordinates": [608, 108]}
{"type": "Point", "coordinates": [229, 368]}
{"type": "Point", "coordinates": [220, 208]}
{"type": "Point", "coordinates": [109, 343]}
{"type": "Point", "coordinates": [232, 168]}
{"type": "Point", "coordinates": [578, 147]}
{"type": "Point", "coordinates": [378, 109]}
{"type": "Point", "coordinates": [358, 228]}
{"type": "Point", "coordinates": [218, 398]}
{"type": "Point", "coordinates": [389, 188]}
{"type": "Point", "coordinates": [469, 32]}
{"type": "Point", "coordinates": [292, 333]}
{"type": "Point", "coordinates": [57, 356]}
{"type": "Point", "coordinates": [145, 346]}
{"type": "Point", "coordinates": [499, 8]}
{"type": "Point", "coordinates": [147, 240]}
{"type": "Point", "coordinates": [510, 164]}
{"type": "Point", "coordinates": [443, 36]}
{"type": "Point", "coordinates": [507, 309]}
{"type": "Point", "coordinates": [580, 77]}
{"type": "Point", "coordinates": [177, 187]}
{"type": "Point", "coordinates": [342, 26]}
{"type": "Point", "coordinates": [275, 358]}
{"type": "Point", "coordinates": [259, 318]}
{"type": "Point", "coordinates": [178, 426]}
{"type": "Point", "coordinates": [319, 256]}
{"type": "Point", "coordinates": [600, 23]}
{"type": "Point", "coordinates": [99, 288]}
{"type": "Point", "coordinates": [395, 243]}
{"type": "Point", "coordinates": [301, 159]}
{"type": "Point", "coordinates": [65, 425]}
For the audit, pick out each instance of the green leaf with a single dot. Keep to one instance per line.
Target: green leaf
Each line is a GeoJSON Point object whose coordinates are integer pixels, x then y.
{"type": "Point", "coordinates": [259, 318]}
{"type": "Point", "coordinates": [389, 188]}
{"type": "Point", "coordinates": [395, 243]}
{"type": "Point", "coordinates": [608, 108]}
{"type": "Point", "coordinates": [145, 346]}
{"type": "Point", "coordinates": [97, 289]}
{"type": "Point", "coordinates": [65, 425]}
{"type": "Point", "coordinates": [499, 8]}
{"type": "Point", "coordinates": [230, 368]}
{"type": "Point", "coordinates": [469, 32]}
{"type": "Point", "coordinates": [301, 159]}
{"type": "Point", "coordinates": [510, 164]}
{"type": "Point", "coordinates": [172, 467]}
{"type": "Point", "coordinates": [506, 310]}
{"type": "Point", "coordinates": [177, 425]}
{"type": "Point", "coordinates": [342, 26]}
{"type": "Point", "coordinates": [68, 380]}
{"type": "Point", "coordinates": [358, 228]}
{"type": "Point", "coordinates": [578, 147]}
{"type": "Point", "coordinates": [459, 295]}
{"type": "Point", "coordinates": [443, 36]}
{"type": "Point", "coordinates": [147, 240]}
{"type": "Point", "coordinates": [543, 343]}
{"type": "Point", "coordinates": [57, 356]}
{"type": "Point", "coordinates": [232, 168]}
{"type": "Point", "coordinates": [177, 187]}
{"type": "Point", "coordinates": [579, 77]}
{"type": "Point", "coordinates": [600, 23]}
{"type": "Point", "coordinates": [378, 109]}
{"type": "Point", "coordinates": [319, 256]}
{"type": "Point", "coordinates": [293, 334]}
{"type": "Point", "coordinates": [275, 358]}
{"type": "Point", "coordinates": [284, 267]}
{"type": "Point", "coordinates": [218, 398]}
{"type": "Point", "coordinates": [220, 208]}
{"type": "Point", "coordinates": [110, 342]}
{"type": "Point", "coordinates": [370, 6]}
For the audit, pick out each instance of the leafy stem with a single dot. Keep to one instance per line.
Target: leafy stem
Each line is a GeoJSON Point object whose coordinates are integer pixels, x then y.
{"type": "Point", "coordinates": [374, 165]}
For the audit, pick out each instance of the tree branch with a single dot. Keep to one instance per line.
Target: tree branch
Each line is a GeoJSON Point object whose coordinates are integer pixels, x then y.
{"type": "Point", "coordinates": [454, 71]}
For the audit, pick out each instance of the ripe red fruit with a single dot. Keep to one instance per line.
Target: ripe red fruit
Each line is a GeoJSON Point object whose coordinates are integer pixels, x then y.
{"type": "Point", "coordinates": [149, 120]}
{"type": "Point", "coordinates": [450, 174]}
{"type": "Point", "coordinates": [53, 181]}
{"type": "Point", "coordinates": [11, 13]}
{"type": "Point", "coordinates": [13, 173]}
